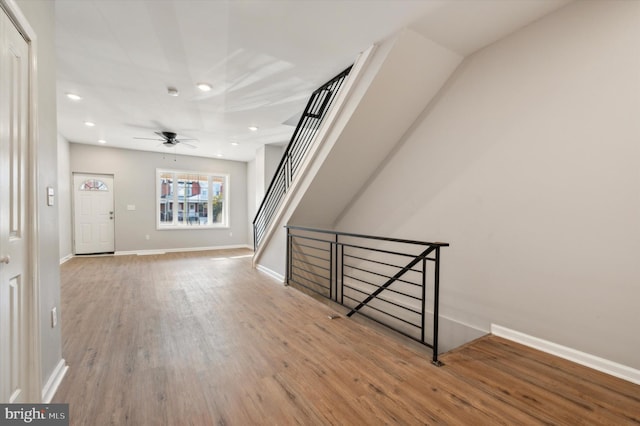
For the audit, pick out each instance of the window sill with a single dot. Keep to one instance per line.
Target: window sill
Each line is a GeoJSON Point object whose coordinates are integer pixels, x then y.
{"type": "Point", "coordinates": [191, 227]}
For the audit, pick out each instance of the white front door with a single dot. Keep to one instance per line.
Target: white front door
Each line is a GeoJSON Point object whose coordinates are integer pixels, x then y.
{"type": "Point", "coordinates": [15, 281]}
{"type": "Point", "coordinates": [93, 214]}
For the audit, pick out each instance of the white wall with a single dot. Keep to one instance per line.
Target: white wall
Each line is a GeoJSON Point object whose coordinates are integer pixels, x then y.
{"type": "Point", "coordinates": [527, 164]}
{"type": "Point", "coordinates": [41, 17]}
{"type": "Point", "coordinates": [135, 174]}
{"type": "Point", "coordinates": [251, 197]}
{"type": "Point", "coordinates": [63, 199]}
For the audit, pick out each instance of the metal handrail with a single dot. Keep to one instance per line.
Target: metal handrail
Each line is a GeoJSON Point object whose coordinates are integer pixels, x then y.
{"type": "Point", "coordinates": [369, 237]}
{"type": "Point", "coordinates": [314, 113]}
{"type": "Point", "coordinates": [322, 256]}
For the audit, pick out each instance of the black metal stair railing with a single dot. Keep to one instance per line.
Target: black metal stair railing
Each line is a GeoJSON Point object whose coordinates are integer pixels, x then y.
{"type": "Point", "coordinates": [388, 280]}
{"type": "Point", "coordinates": [314, 113]}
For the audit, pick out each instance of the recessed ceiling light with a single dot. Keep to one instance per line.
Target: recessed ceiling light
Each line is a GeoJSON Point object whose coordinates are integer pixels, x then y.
{"type": "Point", "coordinates": [205, 87]}
{"type": "Point", "coordinates": [235, 143]}
{"type": "Point", "coordinates": [74, 97]}
{"type": "Point", "coordinates": [172, 91]}
{"type": "Point", "coordinates": [253, 128]}
{"type": "Point", "coordinates": [218, 155]}
{"type": "Point", "coordinates": [102, 141]}
{"type": "Point", "coordinates": [89, 123]}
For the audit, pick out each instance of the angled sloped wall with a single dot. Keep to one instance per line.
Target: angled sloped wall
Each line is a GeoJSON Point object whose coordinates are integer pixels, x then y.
{"type": "Point", "coordinates": [527, 164]}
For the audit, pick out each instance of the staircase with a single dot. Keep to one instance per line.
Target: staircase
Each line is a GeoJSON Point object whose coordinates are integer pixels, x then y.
{"type": "Point", "coordinates": [387, 88]}
{"type": "Point", "coordinates": [306, 130]}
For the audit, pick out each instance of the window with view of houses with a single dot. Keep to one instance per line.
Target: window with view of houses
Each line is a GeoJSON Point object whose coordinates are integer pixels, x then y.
{"type": "Point", "coordinates": [191, 199]}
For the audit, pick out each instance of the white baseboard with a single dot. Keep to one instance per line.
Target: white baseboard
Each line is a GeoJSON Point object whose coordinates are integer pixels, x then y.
{"type": "Point", "coordinates": [66, 258]}
{"type": "Point", "coordinates": [178, 250]}
{"type": "Point", "coordinates": [50, 388]}
{"type": "Point", "coordinates": [600, 364]}
{"type": "Point", "coordinates": [139, 252]}
{"type": "Point", "coordinates": [271, 273]}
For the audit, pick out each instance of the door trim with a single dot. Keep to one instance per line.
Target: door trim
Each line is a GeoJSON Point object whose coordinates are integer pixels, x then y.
{"type": "Point", "coordinates": [33, 332]}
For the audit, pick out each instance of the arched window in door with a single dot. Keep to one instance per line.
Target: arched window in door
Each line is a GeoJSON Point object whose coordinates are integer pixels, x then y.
{"type": "Point", "coordinates": [93, 185]}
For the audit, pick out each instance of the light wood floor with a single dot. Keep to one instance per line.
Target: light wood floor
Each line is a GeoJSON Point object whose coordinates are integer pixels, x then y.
{"type": "Point", "coordinates": [204, 339]}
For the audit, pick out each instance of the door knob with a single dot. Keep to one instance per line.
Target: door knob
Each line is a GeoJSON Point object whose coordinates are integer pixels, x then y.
{"type": "Point", "coordinates": [5, 260]}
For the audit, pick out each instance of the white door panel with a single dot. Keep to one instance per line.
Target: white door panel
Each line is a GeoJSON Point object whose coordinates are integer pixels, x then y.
{"type": "Point", "coordinates": [93, 213]}
{"type": "Point", "coordinates": [14, 107]}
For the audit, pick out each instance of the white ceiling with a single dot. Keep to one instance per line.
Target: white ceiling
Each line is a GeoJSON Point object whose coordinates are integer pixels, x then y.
{"type": "Point", "coordinates": [263, 59]}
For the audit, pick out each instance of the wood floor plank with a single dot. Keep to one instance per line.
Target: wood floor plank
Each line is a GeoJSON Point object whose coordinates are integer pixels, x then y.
{"type": "Point", "coordinates": [201, 338]}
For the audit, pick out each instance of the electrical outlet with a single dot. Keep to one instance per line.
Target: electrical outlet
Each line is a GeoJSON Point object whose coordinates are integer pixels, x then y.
{"type": "Point", "coordinates": [54, 317]}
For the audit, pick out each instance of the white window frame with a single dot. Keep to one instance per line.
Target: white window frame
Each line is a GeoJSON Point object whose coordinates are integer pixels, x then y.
{"type": "Point", "coordinates": [184, 225]}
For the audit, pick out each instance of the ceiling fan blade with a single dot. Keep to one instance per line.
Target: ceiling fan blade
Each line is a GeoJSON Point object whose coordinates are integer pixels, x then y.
{"type": "Point", "coordinates": [151, 139]}
{"type": "Point", "coordinates": [188, 145]}
{"type": "Point", "coordinates": [187, 139]}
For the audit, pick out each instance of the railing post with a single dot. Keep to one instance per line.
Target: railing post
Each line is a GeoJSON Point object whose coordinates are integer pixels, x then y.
{"type": "Point", "coordinates": [287, 171]}
{"type": "Point", "coordinates": [288, 266]}
{"type": "Point", "coordinates": [436, 303]}
{"type": "Point", "coordinates": [336, 265]}
{"type": "Point", "coordinates": [255, 244]}
{"type": "Point", "coordinates": [332, 263]}
{"type": "Point", "coordinates": [341, 274]}
{"type": "Point", "coordinates": [424, 297]}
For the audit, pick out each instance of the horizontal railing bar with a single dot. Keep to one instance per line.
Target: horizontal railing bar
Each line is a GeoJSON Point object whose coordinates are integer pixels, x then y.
{"type": "Point", "coordinates": [299, 261]}
{"type": "Point", "coordinates": [376, 250]}
{"type": "Point", "coordinates": [386, 313]}
{"type": "Point", "coordinates": [310, 280]}
{"type": "Point", "coordinates": [378, 285]}
{"type": "Point", "coordinates": [311, 289]}
{"type": "Point", "coordinates": [304, 237]}
{"type": "Point", "coordinates": [294, 265]}
{"type": "Point", "coordinates": [319, 254]}
{"type": "Point", "coordinates": [381, 263]}
{"type": "Point", "coordinates": [300, 269]}
{"type": "Point", "coordinates": [311, 247]}
{"type": "Point", "coordinates": [346, 265]}
{"type": "Point", "coordinates": [388, 301]}
{"type": "Point", "coordinates": [370, 237]}
{"type": "Point", "coordinates": [324, 259]}
{"type": "Point", "coordinates": [308, 262]}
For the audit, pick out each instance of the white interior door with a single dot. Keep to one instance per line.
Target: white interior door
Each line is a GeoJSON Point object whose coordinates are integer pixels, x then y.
{"type": "Point", "coordinates": [93, 214]}
{"type": "Point", "coordinates": [14, 240]}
